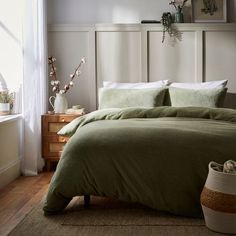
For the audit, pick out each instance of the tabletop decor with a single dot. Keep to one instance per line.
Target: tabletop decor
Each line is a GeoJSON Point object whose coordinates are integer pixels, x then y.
{"type": "Point", "coordinates": [209, 10]}
{"type": "Point", "coordinates": [60, 103]}
{"type": "Point", "coordinates": [178, 5]}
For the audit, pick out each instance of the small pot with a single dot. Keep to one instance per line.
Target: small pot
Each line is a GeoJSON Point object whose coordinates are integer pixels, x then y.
{"type": "Point", "coordinates": [4, 108]}
{"type": "Point", "coordinates": [218, 200]}
{"type": "Point", "coordinates": [179, 17]}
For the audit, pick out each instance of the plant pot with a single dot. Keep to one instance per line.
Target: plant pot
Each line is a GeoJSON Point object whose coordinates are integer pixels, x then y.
{"type": "Point", "coordinates": [4, 108]}
{"type": "Point", "coordinates": [218, 200]}
{"type": "Point", "coordinates": [179, 17]}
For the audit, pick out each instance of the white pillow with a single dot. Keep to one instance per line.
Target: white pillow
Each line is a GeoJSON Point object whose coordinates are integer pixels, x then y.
{"type": "Point", "coordinates": [142, 85]}
{"type": "Point", "coordinates": [204, 85]}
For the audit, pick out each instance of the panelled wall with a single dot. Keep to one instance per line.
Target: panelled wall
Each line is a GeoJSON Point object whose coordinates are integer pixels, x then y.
{"type": "Point", "coordinates": [135, 53]}
{"type": "Point", "coordinates": [68, 44]}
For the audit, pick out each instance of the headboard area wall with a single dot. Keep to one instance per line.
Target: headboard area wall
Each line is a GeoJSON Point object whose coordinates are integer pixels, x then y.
{"type": "Point", "coordinates": [135, 53]}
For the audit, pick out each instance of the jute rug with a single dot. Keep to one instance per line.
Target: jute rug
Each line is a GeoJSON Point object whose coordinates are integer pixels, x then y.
{"type": "Point", "coordinates": [108, 217]}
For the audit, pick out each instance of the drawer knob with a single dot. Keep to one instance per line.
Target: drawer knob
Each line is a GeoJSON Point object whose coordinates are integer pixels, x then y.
{"type": "Point", "coordinates": [63, 119]}
{"type": "Point", "coordinates": [63, 140]}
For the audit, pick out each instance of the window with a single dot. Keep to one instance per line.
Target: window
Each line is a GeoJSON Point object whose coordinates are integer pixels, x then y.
{"type": "Point", "coordinates": [11, 60]}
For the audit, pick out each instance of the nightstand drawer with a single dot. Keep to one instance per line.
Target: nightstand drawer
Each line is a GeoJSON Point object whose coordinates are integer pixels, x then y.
{"type": "Point", "coordinates": [53, 123]}
{"type": "Point", "coordinates": [54, 127]}
{"type": "Point", "coordinates": [59, 118]}
{"type": "Point", "coordinates": [53, 149]}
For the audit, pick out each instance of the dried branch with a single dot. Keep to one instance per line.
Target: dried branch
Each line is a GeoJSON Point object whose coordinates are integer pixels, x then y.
{"type": "Point", "coordinates": [56, 83]}
{"type": "Point", "coordinates": [173, 3]}
{"type": "Point", "coordinates": [178, 6]}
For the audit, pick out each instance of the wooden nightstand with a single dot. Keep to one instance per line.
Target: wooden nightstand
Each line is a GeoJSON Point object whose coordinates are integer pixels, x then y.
{"type": "Point", "coordinates": [52, 143]}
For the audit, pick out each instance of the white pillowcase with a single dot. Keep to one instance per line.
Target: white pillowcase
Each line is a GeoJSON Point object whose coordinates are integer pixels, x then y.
{"type": "Point", "coordinates": [204, 85]}
{"type": "Point", "coordinates": [142, 85]}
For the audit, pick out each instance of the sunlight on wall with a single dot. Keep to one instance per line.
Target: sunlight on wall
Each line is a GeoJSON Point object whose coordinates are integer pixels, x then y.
{"type": "Point", "coordinates": [11, 65]}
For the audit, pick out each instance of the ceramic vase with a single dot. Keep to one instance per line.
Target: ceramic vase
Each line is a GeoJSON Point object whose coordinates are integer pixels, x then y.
{"type": "Point", "coordinates": [218, 200]}
{"type": "Point", "coordinates": [60, 104]}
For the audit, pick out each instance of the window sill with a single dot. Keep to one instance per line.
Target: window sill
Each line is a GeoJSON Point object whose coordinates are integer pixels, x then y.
{"type": "Point", "coordinates": [9, 118]}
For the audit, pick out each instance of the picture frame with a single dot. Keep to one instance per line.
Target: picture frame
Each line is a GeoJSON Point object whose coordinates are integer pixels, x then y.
{"type": "Point", "coordinates": [209, 11]}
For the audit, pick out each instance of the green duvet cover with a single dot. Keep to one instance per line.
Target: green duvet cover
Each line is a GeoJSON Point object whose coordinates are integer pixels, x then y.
{"type": "Point", "coordinates": [158, 157]}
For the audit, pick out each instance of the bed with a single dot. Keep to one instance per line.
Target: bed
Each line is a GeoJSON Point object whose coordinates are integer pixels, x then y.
{"type": "Point", "coordinates": [155, 156]}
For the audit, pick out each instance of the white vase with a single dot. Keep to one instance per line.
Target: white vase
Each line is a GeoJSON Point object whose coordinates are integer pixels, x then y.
{"type": "Point", "coordinates": [4, 108]}
{"type": "Point", "coordinates": [218, 200]}
{"type": "Point", "coordinates": [60, 104]}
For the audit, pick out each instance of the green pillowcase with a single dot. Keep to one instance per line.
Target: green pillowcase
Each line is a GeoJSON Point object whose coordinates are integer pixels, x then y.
{"type": "Point", "coordinates": [180, 97]}
{"type": "Point", "coordinates": [121, 98]}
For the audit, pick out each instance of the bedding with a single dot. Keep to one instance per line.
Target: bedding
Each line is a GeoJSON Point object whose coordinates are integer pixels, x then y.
{"type": "Point", "coordinates": [180, 97]}
{"type": "Point", "coordinates": [203, 85]}
{"type": "Point", "coordinates": [141, 85]}
{"type": "Point", "coordinates": [121, 98]}
{"type": "Point", "coordinates": [158, 157]}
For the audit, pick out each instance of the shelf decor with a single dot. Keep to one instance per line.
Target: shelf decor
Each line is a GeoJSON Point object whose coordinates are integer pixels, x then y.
{"type": "Point", "coordinates": [179, 15]}
{"type": "Point", "coordinates": [209, 11]}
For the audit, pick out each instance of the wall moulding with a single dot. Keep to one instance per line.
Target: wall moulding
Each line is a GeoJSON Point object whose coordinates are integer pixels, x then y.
{"type": "Point", "coordinates": [139, 27]}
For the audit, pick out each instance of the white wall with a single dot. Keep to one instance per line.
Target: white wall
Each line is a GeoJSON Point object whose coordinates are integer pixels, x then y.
{"type": "Point", "coordinates": [113, 11]}
{"type": "Point", "coordinates": [10, 147]}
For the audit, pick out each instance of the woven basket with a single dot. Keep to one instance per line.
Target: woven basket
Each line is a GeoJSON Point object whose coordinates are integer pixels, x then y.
{"type": "Point", "coordinates": [218, 200]}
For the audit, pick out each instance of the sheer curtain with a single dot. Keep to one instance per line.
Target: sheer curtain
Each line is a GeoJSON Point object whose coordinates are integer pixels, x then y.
{"type": "Point", "coordinates": [34, 83]}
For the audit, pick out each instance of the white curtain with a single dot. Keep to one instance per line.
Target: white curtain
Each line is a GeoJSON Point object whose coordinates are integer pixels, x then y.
{"type": "Point", "coordinates": [34, 83]}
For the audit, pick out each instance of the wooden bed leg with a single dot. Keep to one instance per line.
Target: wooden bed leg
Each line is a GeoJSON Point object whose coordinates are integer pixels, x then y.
{"type": "Point", "coordinates": [86, 200]}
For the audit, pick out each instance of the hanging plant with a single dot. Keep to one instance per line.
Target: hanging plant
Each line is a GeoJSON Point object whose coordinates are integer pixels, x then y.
{"type": "Point", "coordinates": [167, 22]}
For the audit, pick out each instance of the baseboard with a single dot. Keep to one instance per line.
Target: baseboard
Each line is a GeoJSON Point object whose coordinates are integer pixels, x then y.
{"type": "Point", "coordinates": [9, 173]}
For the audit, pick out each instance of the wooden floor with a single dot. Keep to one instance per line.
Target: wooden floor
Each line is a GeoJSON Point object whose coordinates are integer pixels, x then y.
{"type": "Point", "coordinates": [19, 197]}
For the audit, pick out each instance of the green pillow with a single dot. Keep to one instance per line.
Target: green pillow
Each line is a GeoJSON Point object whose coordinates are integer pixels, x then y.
{"type": "Point", "coordinates": [180, 97]}
{"type": "Point", "coordinates": [121, 98]}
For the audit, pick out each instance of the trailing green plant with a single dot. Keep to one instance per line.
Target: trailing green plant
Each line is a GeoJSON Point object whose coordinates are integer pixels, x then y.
{"type": "Point", "coordinates": [6, 97]}
{"type": "Point", "coordinates": [166, 21]}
